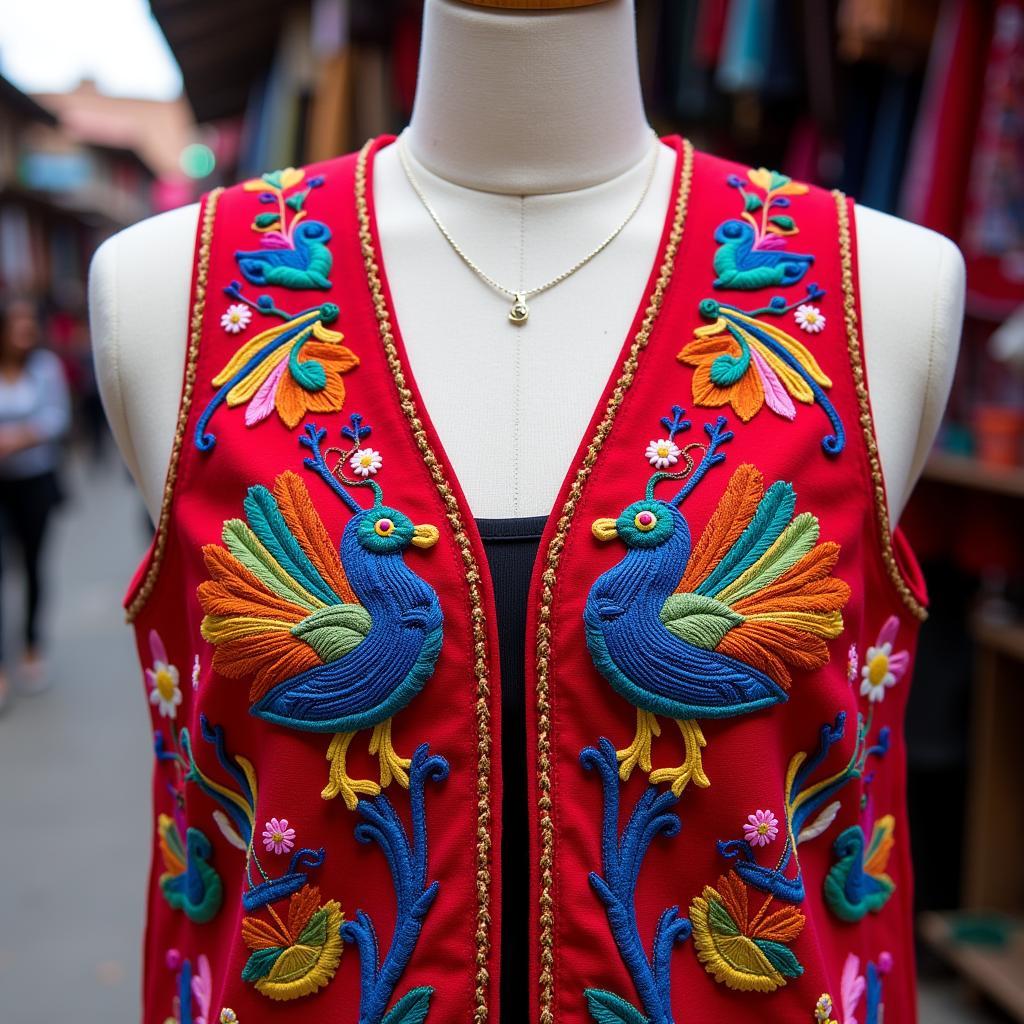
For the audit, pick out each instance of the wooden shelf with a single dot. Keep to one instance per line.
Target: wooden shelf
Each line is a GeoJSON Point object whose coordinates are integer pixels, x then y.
{"type": "Point", "coordinates": [997, 971]}
{"type": "Point", "coordinates": [964, 471]}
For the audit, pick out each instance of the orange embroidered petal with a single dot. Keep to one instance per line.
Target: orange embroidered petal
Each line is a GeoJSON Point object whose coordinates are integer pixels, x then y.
{"type": "Point", "coordinates": [260, 934]}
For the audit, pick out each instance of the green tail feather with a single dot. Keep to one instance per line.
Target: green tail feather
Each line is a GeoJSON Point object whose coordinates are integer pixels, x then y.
{"type": "Point", "coordinates": [772, 516]}
{"type": "Point", "coordinates": [269, 525]}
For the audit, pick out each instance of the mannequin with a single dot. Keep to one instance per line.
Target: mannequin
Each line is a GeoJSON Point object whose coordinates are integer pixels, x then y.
{"type": "Point", "coordinates": [529, 138]}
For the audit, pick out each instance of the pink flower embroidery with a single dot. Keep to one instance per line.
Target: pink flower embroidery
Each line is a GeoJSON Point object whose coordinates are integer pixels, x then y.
{"type": "Point", "coordinates": [760, 828]}
{"type": "Point", "coordinates": [883, 667]}
{"type": "Point", "coordinates": [851, 664]}
{"type": "Point", "coordinates": [277, 836]}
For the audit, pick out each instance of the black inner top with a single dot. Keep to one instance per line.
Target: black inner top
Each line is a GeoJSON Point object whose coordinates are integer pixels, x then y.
{"type": "Point", "coordinates": [511, 546]}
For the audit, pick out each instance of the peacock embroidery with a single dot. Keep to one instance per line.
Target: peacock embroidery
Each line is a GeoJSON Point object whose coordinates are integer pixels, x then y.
{"type": "Point", "coordinates": [333, 640]}
{"type": "Point", "coordinates": [710, 630]}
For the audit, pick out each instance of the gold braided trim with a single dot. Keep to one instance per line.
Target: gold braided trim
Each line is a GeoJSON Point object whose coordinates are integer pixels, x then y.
{"type": "Point", "coordinates": [552, 559]}
{"type": "Point", "coordinates": [473, 579]}
{"type": "Point", "coordinates": [867, 425]}
{"type": "Point", "coordinates": [195, 334]}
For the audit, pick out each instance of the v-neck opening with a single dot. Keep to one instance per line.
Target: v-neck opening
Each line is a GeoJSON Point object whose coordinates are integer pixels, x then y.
{"type": "Point", "coordinates": [470, 528]}
{"type": "Point", "coordinates": [673, 141]}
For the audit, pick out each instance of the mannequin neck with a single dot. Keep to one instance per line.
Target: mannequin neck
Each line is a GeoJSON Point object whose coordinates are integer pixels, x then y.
{"type": "Point", "coordinates": [528, 102]}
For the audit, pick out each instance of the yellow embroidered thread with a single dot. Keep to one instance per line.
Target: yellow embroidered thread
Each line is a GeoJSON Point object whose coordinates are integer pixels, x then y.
{"type": "Point", "coordinates": [195, 334]}
{"type": "Point", "coordinates": [552, 559]}
{"type": "Point", "coordinates": [371, 262]}
{"type": "Point", "coordinates": [867, 425]}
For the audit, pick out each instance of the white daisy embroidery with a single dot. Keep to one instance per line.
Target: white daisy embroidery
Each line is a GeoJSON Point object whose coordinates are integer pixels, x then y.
{"type": "Point", "coordinates": [237, 318]}
{"type": "Point", "coordinates": [365, 462]}
{"type": "Point", "coordinates": [809, 318]}
{"type": "Point", "coordinates": [662, 454]}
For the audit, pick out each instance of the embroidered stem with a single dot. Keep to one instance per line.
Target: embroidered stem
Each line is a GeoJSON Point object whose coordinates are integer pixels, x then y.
{"type": "Point", "coordinates": [717, 436]}
{"type": "Point", "coordinates": [621, 860]}
{"type": "Point", "coordinates": [413, 897]}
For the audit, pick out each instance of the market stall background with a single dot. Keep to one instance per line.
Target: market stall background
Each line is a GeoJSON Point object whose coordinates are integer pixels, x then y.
{"type": "Point", "coordinates": [914, 108]}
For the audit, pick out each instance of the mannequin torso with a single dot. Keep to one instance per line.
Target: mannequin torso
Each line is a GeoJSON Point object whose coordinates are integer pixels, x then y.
{"type": "Point", "coordinates": [529, 138]}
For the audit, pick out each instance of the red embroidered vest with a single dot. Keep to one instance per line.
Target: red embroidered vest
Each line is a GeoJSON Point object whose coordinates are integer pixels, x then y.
{"type": "Point", "coordinates": [720, 637]}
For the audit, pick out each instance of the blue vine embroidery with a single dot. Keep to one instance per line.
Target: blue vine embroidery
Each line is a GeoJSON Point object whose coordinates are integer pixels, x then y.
{"type": "Point", "coordinates": [414, 898]}
{"type": "Point", "coordinates": [621, 861]}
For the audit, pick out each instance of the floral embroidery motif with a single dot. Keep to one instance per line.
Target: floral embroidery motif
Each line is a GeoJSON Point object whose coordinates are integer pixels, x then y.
{"type": "Point", "coordinates": [854, 987]}
{"type": "Point", "coordinates": [292, 368]}
{"type": "Point", "coordinates": [365, 462]}
{"type": "Point", "coordinates": [277, 836]}
{"type": "Point", "coordinates": [760, 828]}
{"type": "Point", "coordinates": [710, 631]}
{"type": "Point", "coordinates": [810, 810]}
{"type": "Point", "coordinates": [883, 668]}
{"type": "Point", "coordinates": [162, 676]}
{"type": "Point", "coordinates": [189, 882]}
{"type": "Point", "coordinates": [333, 640]}
{"type": "Point", "coordinates": [296, 957]}
{"type": "Point", "coordinates": [293, 251]}
{"type": "Point", "coordinates": [228, 1016]}
{"type": "Point", "coordinates": [236, 318]}
{"type": "Point", "coordinates": [852, 664]}
{"type": "Point", "coordinates": [194, 989]}
{"type": "Point", "coordinates": [743, 361]}
{"type": "Point", "coordinates": [752, 250]}
{"type": "Point", "coordinates": [750, 954]}
{"type": "Point", "coordinates": [621, 860]}
{"type": "Point", "coordinates": [289, 957]}
{"type": "Point", "coordinates": [808, 318]}
{"type": "Point", "coordinates": [823, 1010]}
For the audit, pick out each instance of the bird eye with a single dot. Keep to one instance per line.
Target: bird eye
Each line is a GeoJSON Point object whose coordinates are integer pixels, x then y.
{"type": "Point", "coordinates": [645, 521]}
{"type": "Point", "coordinates": [384, 527]}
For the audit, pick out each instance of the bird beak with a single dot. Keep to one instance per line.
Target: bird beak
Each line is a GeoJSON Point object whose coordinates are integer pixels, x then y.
{"type": "Point", "coordinates": [425, 536]}
{"type": "Point", "coordinates": [604, 529]}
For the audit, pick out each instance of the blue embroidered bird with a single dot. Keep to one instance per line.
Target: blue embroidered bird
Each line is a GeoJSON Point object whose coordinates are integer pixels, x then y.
{"type": "Point", "coordinates": [299, 260]}
{"type": "Point", "coordinates": [332, 644]}
{"type": "Point", "coordinates": [857, 882]}
{"type": "Point", "coordinates": [710, 632]}
{"type": "Point", "coordinates": [740, 262]}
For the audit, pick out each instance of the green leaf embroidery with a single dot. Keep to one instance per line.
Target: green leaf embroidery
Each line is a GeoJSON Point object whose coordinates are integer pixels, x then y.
{"type": "Point", "coordinates": [266, 220]}
{"type": "Point", "coordinates": [260, 963]}
{"type": "Point", "coordinates": [751, 202]}
{"type": "Point", "coordinates": [781, 957]}
{"type": "Point", "coordinates": [296, 201]}
{"type": "Point", "coordinates": [335, 630]}
{"type": "Point", "coordinates": [315, 932]}
{"type": "Point", "coordinates": [780, 220]}
{"type": "Point", "coordinates": [698, 620]}
{"type": "Point", "coordinates": [608, 1008]}
{"type": "Point", "coordinates": [412, 1008]}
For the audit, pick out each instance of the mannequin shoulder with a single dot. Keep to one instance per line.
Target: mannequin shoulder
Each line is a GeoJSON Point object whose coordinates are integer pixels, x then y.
{"type": "Point", "coordinates": [139, 284]}
{"type": "Point", "coordinates": [912, 284]}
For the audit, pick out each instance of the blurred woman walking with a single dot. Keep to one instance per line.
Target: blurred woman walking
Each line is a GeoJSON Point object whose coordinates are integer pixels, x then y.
{"type": "Point", "coordinates": [34, 416]}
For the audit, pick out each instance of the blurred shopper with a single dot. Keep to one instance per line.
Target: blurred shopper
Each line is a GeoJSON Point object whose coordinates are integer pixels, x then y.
{"type": "Point", "coordinates": [34, 414]}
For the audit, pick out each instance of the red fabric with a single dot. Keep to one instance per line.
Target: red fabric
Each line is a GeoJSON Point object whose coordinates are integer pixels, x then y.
{"type": "Point", "coordinates": [746, 756]}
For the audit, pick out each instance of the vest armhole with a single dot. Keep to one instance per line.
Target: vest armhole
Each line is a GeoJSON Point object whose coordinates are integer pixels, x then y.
{"type": "Point", "coordinates": [898, 559]}
{"type": "Point", "coordinates": [146, 575]}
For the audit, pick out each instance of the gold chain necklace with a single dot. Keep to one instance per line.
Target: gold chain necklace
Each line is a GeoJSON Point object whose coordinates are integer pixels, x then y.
{"type": "Point", "coordinates": [520, 311]}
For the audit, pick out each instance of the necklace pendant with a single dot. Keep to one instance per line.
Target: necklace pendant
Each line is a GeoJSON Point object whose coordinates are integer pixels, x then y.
{"type": "Point", "coordinates": [520, 311]}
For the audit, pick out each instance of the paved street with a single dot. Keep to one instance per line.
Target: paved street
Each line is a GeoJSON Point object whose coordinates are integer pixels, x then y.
{"type": "Point", "coordinates": [74, 787]}
{"type": "Point", "coordinates": [74, 781]}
